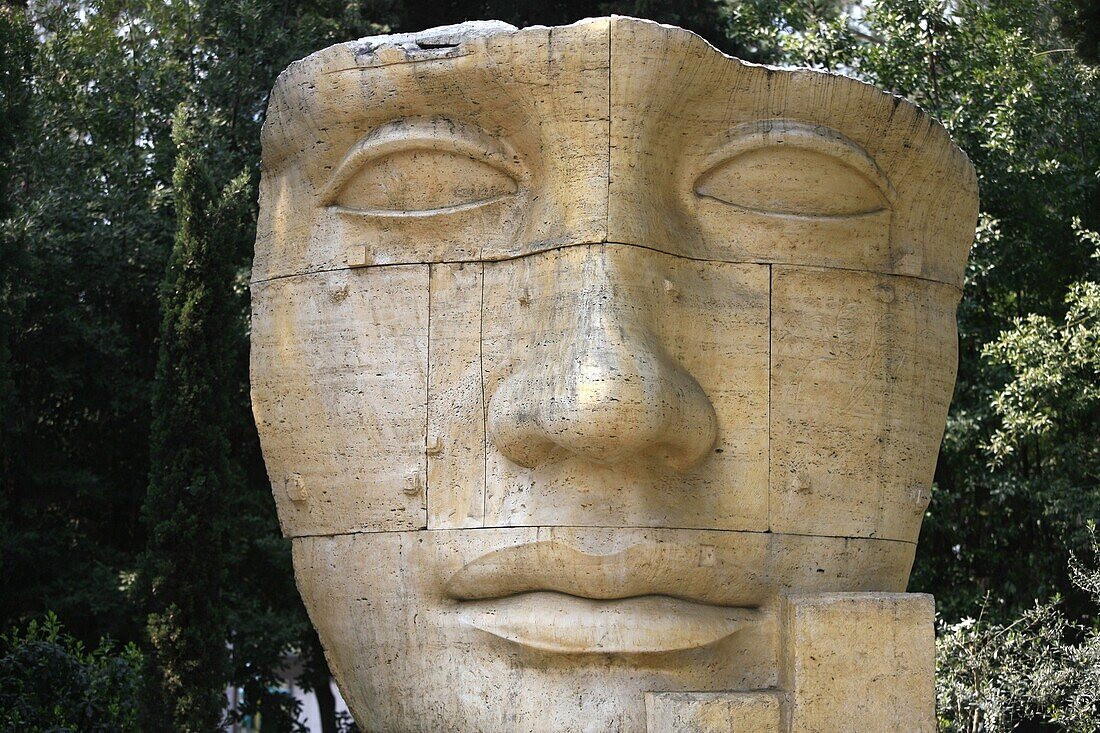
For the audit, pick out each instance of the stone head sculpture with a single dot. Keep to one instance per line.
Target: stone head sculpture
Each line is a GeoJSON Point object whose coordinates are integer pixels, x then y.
{"type": "Point", "coordinates": [576, 349]}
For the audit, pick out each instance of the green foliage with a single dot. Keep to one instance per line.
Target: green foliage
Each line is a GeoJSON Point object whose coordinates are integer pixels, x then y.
{"type": "Point", "coordinates": [192, 473]}
{"type": "Point", "coordinates": [999, 76]}
{"type": "Point", "coordinates": [999, 677]}
{"type": "Point", "coordinates": [50, 682]}
{"type": "Point", "coordinates": [17, 46]}
{"type": "Point", "coordinates": [88, 100]}
{"type": "Point", "coordinates": [815, 33]}
{"type": "Point", "coordinates": [1050, 407]}
{"type": "Point", "coordinates": [1081, 22]}
{"type": "Point", "coordinates": [16, 52]}
{"type": "Point", "coordinates": [89, 229]}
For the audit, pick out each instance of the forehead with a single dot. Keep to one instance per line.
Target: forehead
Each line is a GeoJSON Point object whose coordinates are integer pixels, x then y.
{"type": "Point", "coordinates": [613, 122]}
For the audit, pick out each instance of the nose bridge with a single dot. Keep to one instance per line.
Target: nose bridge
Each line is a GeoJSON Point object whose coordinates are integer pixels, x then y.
{"type": "Point", "coordinates": [607, 389]}
{"type": "Point", "coordinates": [601, 293]}
{"type": "Point", "coordinates": [611, 371]}
{"type": "Point", "coordinates": [611, 314]}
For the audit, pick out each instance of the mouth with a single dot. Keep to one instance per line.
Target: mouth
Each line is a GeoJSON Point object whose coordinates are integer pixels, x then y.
{"type": "Point", "coordinates": [575, 595]}
{"type": "Point", "coordinates": [557, 622]}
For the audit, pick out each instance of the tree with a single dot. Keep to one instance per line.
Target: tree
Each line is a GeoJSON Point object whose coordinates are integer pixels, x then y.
{"type": "Point", "coordinates": [1039, 671]}
{"type": "Point", "coordinates": [88, 229]}
{"type": "Point", "coordinates": [85, 243]}
{"type": "Point", "coordinates": [1081, 23]}
{"type": "Point", "coordinates": [16, 52]}
{"type": "Point", "coordinates": [1026, 111]}
{"type": "Point", "coordinates": [192, 468]}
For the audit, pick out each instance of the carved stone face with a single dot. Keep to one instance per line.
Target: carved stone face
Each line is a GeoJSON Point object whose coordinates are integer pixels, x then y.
{"type": "Point", "coordinates": [574, 348]}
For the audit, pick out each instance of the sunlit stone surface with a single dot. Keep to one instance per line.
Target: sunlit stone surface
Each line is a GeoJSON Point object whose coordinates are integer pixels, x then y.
{"type": "Point", "coordinates": [600, 378]}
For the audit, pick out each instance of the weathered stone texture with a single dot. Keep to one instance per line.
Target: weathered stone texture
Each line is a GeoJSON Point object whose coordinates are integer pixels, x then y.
{"type": "Point", "coordinates": [577, 350]}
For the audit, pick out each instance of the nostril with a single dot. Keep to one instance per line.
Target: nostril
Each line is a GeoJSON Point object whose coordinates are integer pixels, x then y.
{"type": "Point", "coordinates": [513, 424]}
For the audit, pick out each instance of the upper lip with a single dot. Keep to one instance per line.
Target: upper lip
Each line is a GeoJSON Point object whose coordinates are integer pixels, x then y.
{"type": "Point", "coordinates": [670, 569]}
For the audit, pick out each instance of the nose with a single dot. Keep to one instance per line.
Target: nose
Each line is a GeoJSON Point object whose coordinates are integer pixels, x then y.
{"type": "Point", "coordinates": [607, 390]}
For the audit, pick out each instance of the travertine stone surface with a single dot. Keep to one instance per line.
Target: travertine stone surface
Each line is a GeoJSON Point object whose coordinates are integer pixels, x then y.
{"type": "Point", "coordinates": [455, 446]}
{"type": "Point", "coordinates": [339, 367]}
{"type": "Point", "coordinates": [712, 712]}
{"type": "Point", "coordinates": [859, 662]}
{"type": "Point", "coordinates": [504, 118]}
{"type": "Point", "coordinates": [862, 372]}
{"type": "Point", "coordinates": [576, 350]}
{"type": "Point", "coordinates": [607, 386]}
{"type": "Point", "coordinates": [718, 159]}
{"type": "Point", "coordinates": [475, 657]}
{"type": "Point", "coordinates": [416, 629]}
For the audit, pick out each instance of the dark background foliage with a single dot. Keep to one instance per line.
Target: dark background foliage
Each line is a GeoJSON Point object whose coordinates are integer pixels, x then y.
{"type": "Point", "coordinates": [50, 681]}
{"type": "Point", "coordinates": [133, 500]}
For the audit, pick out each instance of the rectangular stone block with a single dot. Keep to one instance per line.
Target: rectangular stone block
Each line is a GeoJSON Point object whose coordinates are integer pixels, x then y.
{"type": "Point", "coordinates": [862, 368]}
{"type": "Point", "coordinates": [339, 386]}
{"type": "Point", "coordinates": [859, 662]}
{"type": "Point", "coordinates": [710, 318]}
{"type": "Point", "coordinates": [819, 138]}
{"type": "Point", "coordinates": [456, 419]}
{"type": "Point", "coordinates": [712, 712]}
{"type": "Point", "coordinates": [475, 97]}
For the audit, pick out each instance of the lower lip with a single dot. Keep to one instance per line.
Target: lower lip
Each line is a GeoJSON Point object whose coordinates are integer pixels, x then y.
{"type": "Point", "coordinates": [556, 622]}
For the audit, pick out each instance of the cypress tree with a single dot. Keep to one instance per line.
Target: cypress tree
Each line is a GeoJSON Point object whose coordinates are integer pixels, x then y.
{"type": "Point", "coordinates": [191, 468]}
{"type": "Point", "coordinates": [16, 53]}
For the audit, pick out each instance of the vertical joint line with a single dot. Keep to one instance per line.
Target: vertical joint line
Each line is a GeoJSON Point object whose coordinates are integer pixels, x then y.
{"type": "Point", "coordinates": [428, 396]}
{"type": "Point", "coordinates": [607, 194]}
{"type": "Point", "coordinates": [771, 323]}
{"type": "Point", "coordinates": [484, 404]}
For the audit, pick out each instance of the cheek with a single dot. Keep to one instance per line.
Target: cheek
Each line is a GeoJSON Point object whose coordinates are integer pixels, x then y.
{"type": "Point", "coordinates": [339, 367]}
{"type": "Point", "coordinates": [862, 372]}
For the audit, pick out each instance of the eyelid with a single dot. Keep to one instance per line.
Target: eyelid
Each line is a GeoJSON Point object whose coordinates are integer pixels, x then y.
{"type": "Point", "coordinates": [408, 136]}
{"type": "Point", "coordinates": [818, 139]}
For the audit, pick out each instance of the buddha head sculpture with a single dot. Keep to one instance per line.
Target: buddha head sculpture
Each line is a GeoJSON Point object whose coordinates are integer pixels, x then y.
{"type": "Point", "coordinates": [575, 348]}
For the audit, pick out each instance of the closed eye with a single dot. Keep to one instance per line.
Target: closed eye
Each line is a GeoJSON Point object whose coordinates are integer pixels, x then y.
{"type": "Point", "coordinates": [422, 168]}
{"type": "Point", "coordinates": [795, 170]}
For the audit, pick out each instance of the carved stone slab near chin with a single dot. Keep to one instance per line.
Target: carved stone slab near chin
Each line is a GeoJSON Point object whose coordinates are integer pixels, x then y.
{"type": "Point", "coordinates": [600, 378]}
